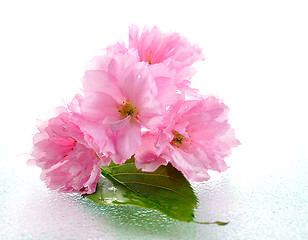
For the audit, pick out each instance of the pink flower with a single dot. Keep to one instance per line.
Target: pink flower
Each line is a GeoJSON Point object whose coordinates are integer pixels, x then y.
{"type": "Point", "coordinates": [169, 55]}
{"type": "Point", "coordinates": [195, 138]}
{"type": "Point", "coordinates": [170, 48]}
{"type": "Point", "coordinates": [121, 95]}
{"type": "Point", "coordinates": [68, 163]}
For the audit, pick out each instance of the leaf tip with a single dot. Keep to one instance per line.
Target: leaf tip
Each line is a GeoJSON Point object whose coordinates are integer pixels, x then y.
{"type": "Point", "coordinates": [221, 223]}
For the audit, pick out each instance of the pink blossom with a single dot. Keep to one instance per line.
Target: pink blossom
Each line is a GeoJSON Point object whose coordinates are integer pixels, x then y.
{"type": "Point", "coordinates": [195, 138]}
{"type": "Point", "coordinates": [121, 95]}
{"type": "Point", "coordinates": [170, 48]}
{"type": "Point", "coordinates": [164, 77]}
{"type": "Point", "coordinates": [168, 51]}
{"type": "Point", "coordinates": [68, 162]}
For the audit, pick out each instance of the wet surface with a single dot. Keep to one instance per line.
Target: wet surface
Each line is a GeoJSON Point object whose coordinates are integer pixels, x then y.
{"type": "Point", "coordinates": [257, 205]}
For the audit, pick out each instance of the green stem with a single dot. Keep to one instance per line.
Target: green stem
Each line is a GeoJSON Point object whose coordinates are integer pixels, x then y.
{"type": "Point", "coordinates": [217, 223]}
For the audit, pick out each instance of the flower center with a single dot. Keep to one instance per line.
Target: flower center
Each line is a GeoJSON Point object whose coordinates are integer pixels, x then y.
{"type": "Point", "coordinates": [148, 58]}
{"type": "Point", "coordinates": [127, 109]}
{"type": "Point", "coordinates": [72, 147]}
{"type": "Point", "coordinates": [177, 140]}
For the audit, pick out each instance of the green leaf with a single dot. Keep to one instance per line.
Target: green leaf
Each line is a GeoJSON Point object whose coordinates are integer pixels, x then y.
{"type": "Point", "coordinates": [165, 190]}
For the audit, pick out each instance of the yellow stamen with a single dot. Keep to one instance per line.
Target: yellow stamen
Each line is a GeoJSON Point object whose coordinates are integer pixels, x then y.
{"type": "Point", "coordinates": [177, 140]}
{"type": "Point", "coordinates": [127, 109]}
{"type": "Point", "coordinates": [148, 58]}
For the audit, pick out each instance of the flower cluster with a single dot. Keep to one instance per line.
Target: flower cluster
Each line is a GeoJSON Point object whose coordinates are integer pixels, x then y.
{"type": "Point", "coordinates": [136, 101]}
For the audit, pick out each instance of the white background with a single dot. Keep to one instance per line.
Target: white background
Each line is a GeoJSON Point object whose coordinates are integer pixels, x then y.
{"type": "Point", "coordinates": [256, 60]}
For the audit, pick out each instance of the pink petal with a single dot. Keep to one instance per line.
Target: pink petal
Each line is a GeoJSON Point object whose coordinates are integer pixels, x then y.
{"type": "Point", "coordinates": [101, 81]}
{"type": "Point", "coordinates": [128, 140]}
{"type": "Point", "coordinates": [116, 123]}
{"type": "Point", "coordinates": [146, 158]}
{"type": "Point", "coordinates": [154, 163]}
{"type": "Point", "coordinates": [97, 106]}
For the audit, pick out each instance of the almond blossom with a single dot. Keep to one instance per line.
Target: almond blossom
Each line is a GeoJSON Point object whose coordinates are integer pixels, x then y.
{"type": "Point", "coordinates": [134, 102]}
{"type": "Point", "coordinates": [68, 162]}
{"type": "Point", "coordinates": [155, 47]}
{"type": "Point", "coordinates": [195, 138]}
{"type": "Point", "coordinates": [169, 55]}
{"type": "Point", "coordinates": [122, 96]}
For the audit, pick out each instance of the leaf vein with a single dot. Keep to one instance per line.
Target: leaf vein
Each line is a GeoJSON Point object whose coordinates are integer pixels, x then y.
{"type": "Point", "coordinates": [153, 185]}
{"type": "Point", "coordinates": [146, 174]}
{"type": "Point", "coordinates": [158, 205]}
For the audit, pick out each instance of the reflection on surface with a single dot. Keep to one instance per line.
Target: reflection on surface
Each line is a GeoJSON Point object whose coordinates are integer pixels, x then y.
{"type": "Point", "coordinates": [256, 203]}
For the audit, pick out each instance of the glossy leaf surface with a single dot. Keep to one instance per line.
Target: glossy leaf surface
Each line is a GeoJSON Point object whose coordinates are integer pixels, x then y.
{"type": "Point", "coordinates": [165, 190]}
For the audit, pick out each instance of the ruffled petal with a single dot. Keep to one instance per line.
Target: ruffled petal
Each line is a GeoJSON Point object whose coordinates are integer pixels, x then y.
{"type": "Point", "coordinates": [128, 140]}
{"type": "Point", "coordinates": [147, 158]}
{"type": "Point", "coordinates": [98, 106]}
{"type": "Point", "coordinates": [68, 162]}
